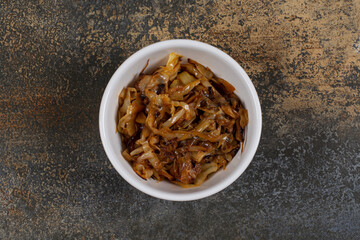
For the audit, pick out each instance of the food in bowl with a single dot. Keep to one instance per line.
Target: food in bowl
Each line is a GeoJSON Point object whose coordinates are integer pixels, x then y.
{"type": "Point", "coordinates": [180, 123]}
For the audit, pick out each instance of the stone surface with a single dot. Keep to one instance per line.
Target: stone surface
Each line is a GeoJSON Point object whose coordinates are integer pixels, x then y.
{"type": "Point", "coordinates": [56, 58]}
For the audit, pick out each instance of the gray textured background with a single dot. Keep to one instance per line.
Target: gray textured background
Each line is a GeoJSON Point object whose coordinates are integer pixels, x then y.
{"type": "Point", "coordinates": [56, 58]}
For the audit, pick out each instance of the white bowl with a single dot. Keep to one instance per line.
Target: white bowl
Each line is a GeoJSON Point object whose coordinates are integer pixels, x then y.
{"type": "Point", "coordinates": [223, 66]}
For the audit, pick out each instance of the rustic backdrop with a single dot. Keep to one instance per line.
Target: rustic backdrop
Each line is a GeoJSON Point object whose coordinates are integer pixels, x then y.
{"type": "Point", "coordinates": [56, 58]}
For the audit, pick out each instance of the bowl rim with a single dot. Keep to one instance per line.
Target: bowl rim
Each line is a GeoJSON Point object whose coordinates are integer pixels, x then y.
{"type": "Point", "coordinates": [156, 192]}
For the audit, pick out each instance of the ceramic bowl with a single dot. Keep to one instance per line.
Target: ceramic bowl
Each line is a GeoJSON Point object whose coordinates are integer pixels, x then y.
{"type": "Point", "coordinates": [223, 66]}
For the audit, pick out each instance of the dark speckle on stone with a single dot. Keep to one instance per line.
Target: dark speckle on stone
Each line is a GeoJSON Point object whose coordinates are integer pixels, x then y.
{"type": "Point", "coordinates": [56, 58]}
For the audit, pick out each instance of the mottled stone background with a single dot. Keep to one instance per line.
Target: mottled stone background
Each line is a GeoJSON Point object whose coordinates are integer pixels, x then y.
{"type": "Point", "coordinates": [56, 58]}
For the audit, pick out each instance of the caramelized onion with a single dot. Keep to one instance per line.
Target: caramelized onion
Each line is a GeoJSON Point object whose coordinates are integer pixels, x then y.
{"type": "Point", "coordinates": [180, 123]}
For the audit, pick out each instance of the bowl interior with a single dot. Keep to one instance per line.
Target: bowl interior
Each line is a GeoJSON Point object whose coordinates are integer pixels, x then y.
{"type": "Point", "coordinates": [223, 66]}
